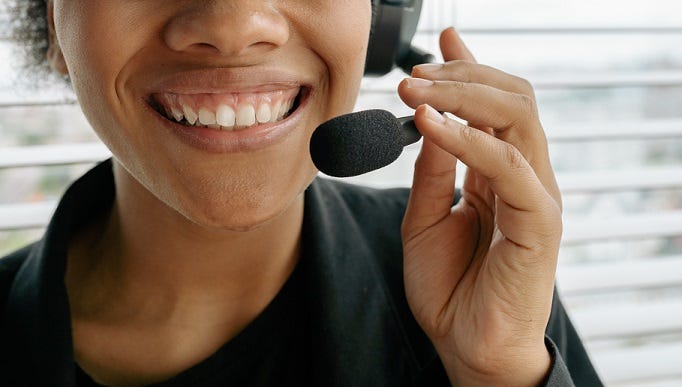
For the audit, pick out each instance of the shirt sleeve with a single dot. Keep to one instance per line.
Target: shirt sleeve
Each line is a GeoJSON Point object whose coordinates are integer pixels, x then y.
{"type": "Point", "coordinates": [571, 364]}
{"type": "Point", "coordinates": [559, 376]}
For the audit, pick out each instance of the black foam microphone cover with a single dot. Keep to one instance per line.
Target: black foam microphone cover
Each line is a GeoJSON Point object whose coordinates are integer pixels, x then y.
{"type": "Point", "coordinates": [357, 143]}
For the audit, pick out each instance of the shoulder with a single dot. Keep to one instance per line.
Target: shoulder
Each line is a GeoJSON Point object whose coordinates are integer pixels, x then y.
{"type": "Point", "coordinates": [359, 217]}
{"type": "Point", "coordinates": [352, 219]}
{"type": "Point", "coordinates": [373, 210]}
{"type": "Point", "coordinates": [9, 266]}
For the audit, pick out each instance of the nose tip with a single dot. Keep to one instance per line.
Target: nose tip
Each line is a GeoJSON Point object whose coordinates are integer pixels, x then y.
{"type": "Point", "coordinates": [236, 29]}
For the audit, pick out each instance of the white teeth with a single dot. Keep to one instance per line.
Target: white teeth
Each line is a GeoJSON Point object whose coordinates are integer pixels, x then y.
{"type": "Point", "coordinates": [177, 114]}
{"type": "Point", "coordinates": [283, 110]}
{"type": "Point", "coordinates": [190, 115]}
{"type": "Point", "coordinates": [263, 114]}
{"type": "Point", "coordinates": [206, 117]}
{"type": "Point", "coordinates": [225, 116]}
{"type": "Point", "coordinates": [246, 115]}
{"type": "Point", "coordinates": [274, 114]}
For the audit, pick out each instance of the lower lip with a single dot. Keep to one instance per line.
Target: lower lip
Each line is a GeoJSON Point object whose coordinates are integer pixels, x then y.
{"type": "Point", "coordinates": [234, 141]}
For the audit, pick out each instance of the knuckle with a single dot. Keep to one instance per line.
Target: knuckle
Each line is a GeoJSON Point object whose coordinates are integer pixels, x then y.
{"type": "Point", "coordinates": [458, 85]}
{"type": "Point", "coordinates": [527, 105]}
{"type": "Point", "coordinates": [552, 212]}
{"type": "Point", "coordinates": [512, 156]}
{"type": "Point", "coordinates": [525, 113]}
{"type": "Point", "coordinates": [468, 134]}
{"type": "Point", "coordinates": [526, 87]}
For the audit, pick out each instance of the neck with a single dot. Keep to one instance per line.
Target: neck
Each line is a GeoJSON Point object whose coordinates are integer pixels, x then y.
{"type": "Point", "coordinates": [147, 254]}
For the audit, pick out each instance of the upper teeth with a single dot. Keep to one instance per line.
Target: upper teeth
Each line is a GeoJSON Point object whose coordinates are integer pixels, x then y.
{"type": "Point", "coordinates": [227, 111]}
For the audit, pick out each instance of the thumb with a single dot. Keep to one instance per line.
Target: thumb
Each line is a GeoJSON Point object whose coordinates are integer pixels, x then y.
{"type": "Point", "coordinates": [453, 47]}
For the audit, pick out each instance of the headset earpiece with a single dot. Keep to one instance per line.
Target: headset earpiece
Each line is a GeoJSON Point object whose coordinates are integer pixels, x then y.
{"type": "Point", "coordinates": [394, 23]}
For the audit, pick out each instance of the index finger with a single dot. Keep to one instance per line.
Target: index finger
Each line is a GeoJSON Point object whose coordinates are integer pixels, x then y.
{"type": "Point", "coordinates": [507, 172]}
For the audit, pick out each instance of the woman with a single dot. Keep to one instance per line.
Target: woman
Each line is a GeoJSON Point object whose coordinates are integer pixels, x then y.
{"type": "Point", "coordinates": [206, 252]}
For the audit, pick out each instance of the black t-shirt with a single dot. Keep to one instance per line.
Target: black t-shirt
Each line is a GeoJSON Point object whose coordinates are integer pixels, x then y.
{"type": "Point", "coordinates": [342, 319]}
{"type": "Point", "coordinates": [271, 351]}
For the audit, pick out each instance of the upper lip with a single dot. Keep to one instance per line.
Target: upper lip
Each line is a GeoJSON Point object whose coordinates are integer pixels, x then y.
{"type": "Point", "coordinates": [227, 80]}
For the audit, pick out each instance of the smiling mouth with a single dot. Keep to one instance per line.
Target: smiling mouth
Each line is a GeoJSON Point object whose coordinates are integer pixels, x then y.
{"type": "Point", "coordinates": [228, 111]}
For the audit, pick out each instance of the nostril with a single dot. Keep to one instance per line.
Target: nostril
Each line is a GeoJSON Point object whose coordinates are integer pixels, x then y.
{"type": "Point", "coordinates": [206, 47]}
{"type": "Point", "coordinates": [240, 29]}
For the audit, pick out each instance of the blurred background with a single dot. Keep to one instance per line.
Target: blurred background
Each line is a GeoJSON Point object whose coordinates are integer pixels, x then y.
{"type": "Point", "coordinates": [608, 77]}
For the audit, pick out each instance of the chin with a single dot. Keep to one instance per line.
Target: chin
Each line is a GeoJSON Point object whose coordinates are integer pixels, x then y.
{"type": "Point", "coordinates": [242, 208]}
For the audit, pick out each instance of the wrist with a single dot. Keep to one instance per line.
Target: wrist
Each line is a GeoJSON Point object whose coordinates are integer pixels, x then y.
{"type": "Point", "coordinates": [517, 368]}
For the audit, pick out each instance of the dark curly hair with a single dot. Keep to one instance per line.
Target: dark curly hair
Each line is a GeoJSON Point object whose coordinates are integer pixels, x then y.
{"type": "Point", "coordinates": [28, 29]}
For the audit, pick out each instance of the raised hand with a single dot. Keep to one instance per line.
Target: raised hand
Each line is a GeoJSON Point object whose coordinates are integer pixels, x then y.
{"type": "Point", "coordinates": [479, 276]}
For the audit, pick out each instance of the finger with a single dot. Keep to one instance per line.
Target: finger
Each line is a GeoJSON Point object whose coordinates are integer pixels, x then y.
{"type": "Point", "coordinates": [461, 62]}
{"type": "Point", "coordinates": [479, 104]}
{"type": "Point", "coordinates": [461, 67]}
{"type": "Point", "coordinates": [453, 48]}
{"type": "Point", "coordinates": [485, 97]}
{"type": "Point", "coordinates": [508, 173]}
{"type": "Point", "coordinates": [433, 189]}
{"type": "Point", "coordinates": [513, 117]}
{"type": "Point", "coordinates": [469, 72]}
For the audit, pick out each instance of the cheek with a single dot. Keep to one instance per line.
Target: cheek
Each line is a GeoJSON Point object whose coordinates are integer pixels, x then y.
{"type": "Point", "coordinates": [87, 34]}
{"type": "Point", "coordinates": [339, 36]}
{"type": "Point", "coordinates": [98, 42]}
{"type": "Point", "coordinates": [350, 47]}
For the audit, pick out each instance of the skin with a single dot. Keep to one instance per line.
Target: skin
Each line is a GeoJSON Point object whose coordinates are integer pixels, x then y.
{"type": "Point", "coordinates": [197, 243]}
{"type": "Point", "coordinates": [479, 276]}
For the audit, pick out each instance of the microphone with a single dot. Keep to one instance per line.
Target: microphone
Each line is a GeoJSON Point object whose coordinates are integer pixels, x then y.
{"type": "Point", "coordinates": [357, 143]}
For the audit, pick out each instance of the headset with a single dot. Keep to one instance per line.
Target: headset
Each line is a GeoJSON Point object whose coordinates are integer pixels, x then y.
{"type": "Point", "coordinates": [394, 23]}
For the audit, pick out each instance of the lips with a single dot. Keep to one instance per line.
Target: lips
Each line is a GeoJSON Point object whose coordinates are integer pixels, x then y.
{"type": "Point", "coordinates": [227, 109]}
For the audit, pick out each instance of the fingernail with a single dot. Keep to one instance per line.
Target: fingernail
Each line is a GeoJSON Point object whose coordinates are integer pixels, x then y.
{"type": "Point", "coordinates": [428, 67]}
{"type": "Point", "coordinates": [418, 82]}
{"type": "Point", "coordinates": [433, 115]}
